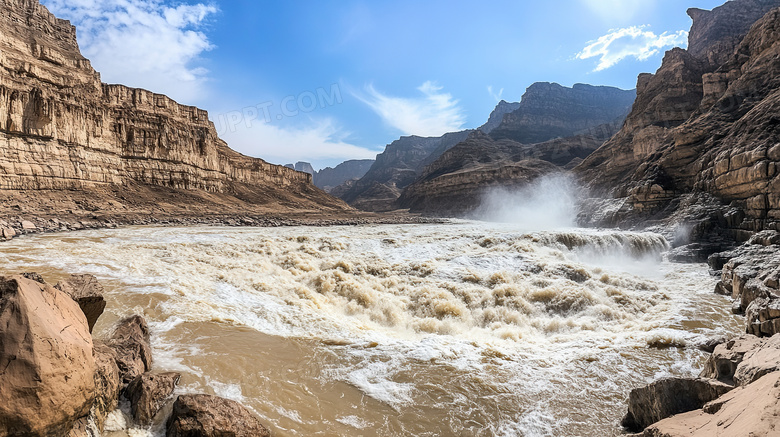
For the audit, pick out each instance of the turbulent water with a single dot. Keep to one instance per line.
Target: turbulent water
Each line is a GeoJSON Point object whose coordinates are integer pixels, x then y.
{"type": "Point", "coordinates": [466, 329]}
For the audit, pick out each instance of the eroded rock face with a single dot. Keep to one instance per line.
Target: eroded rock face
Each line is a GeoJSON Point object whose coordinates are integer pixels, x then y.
{"type": "Point", "coordinates": [130, 341]}
{"type": "Point", "coordinates": [211, 416]}
{"type": "Point", "coordinates": [667, 397]}
{"type": "Point", "coordinates": [549, 110]}
{"type": "Point", "coordinates": [456, 183]}
{"type": "Point", "coordinates": [352, 170]}
{"type": "Point", "coordinates": [703, 123]}
{"type": "Point", "coordinates": [148, 392]}
{"type": "Point", "coordinates": [88, 293]}
{"type": "Point", "coordinates": [396, 168]}
{"type": "Point", "coordinates": [726, 358]}
{"type": "Point", "coordinates": [47, 378]}
{"type": "Point", "coordinates": [747, 411]}
{"type": "Point", "coordinates": [62, 129]}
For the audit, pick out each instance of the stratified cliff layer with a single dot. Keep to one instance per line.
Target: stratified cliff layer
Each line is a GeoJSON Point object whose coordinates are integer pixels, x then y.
{"type": "Point", "coordinates": [553, 128]}
{"type": "Point", "coordinates": [705, 123]}
{"type": "Point", "coordinates": [454, 185]}
{"type": "Point", "coordinates": [394, 169]}
{"type": "Point", "coordinates": [65, 135]}
{"type": "Point", "coordinates": [348, 171]}
{"type": "Point", "coordinates": [550, 110]}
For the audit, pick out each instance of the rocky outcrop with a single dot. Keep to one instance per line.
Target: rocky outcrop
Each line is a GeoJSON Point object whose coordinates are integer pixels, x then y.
{"type": "Point", "coordinates": [397, 167]}
{"type": "Point", "coordinates": [88, 293]}
{"type": "Point", "coordinates": [330, 178]}
{"type": "Point", "coordinates": [62, 129]}
{"type": "Point", "coordinates": [211, 416]}
{"type": "Point", "coordinates": [704, 123]}
{"type": "Point", "coordinates": [47, 378]}
{"type": "Point", "coordinates": [549, 110]}
{"type": "Point", "coordinates": [750, 275]}
{"type": "Point", "coordinates": [497, 116]}
{"type": "Point", "coordinates": [301, 166]}
{"type": "Point", "coordinates": [667, 397]}
{"type": "Point", "coordinates": [148, 392]}
{"type": "Point", "coordinates": [130, 341]}
{"type": "Point", "coordinates": [746, 411]}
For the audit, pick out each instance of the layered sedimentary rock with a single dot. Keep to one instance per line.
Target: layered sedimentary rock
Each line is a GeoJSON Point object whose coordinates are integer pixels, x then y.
{"type": "Point", "coordinates": [455, 183]}
{"type": "Point", "coordinates": [62, 129]}
{"type": "Point", "coordinates": [549, 110]}
{"type": "Point", "coordinates": [397, 167]}
{"type": "Point", "coordinates": [330, 178]}
{"type": "Point", "coordinates": [704, 123]}
{"type": "Point", "coordinates": [497, 116]}
{"type": "Point", "coordinates": [571, 123]}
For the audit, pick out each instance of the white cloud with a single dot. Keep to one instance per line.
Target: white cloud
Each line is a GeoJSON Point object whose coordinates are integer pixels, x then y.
{"type": "Point", "coordinates": [433, 114]}
{"type": "Point", "coordinates": [320, 140]}
{"type": "Point", "coordinates": [631, 42]}
{"type": "Point", "coordinates": [498, 96]}
{"type": "Point", "coordinates": [143, 43]}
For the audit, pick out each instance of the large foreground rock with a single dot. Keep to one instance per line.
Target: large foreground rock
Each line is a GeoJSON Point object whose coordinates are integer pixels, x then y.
{"type": "Point", "coordinates": [87, 291]}
{"type": "Point", "coordinates": [211, 416]}
{"type": "Point", "coordinates": [667, 397]}
{"type": "Point", "coordinates": [748, 411]}
{"type": "Point", "coordinates": [148, 392]}
{"type": "Point", "coordinates": [130, 341]}
{"type": "Point", "coordinates": [46, 364]}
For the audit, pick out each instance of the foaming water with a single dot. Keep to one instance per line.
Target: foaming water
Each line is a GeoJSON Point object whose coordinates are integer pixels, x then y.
{"type": "Point", "coordinates": [466, 329]}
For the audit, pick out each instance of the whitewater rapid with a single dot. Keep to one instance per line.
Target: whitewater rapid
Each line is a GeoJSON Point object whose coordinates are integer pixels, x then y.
{"type": "Point", "coordinates": [467, 328]}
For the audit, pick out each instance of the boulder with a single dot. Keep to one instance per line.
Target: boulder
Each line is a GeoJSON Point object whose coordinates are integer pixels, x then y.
{"type": "Point", "coordinates": [47, 378]}
{"type": "Point", "coordinates": [130, 341]}
{"type": "Point", "coordinates": [87, 291]}
{"type": "Point", "coordinates": [7, 233]}
{"type": "Point", "coordinates": [147, 394]}
{"type": "Point", "coordinates": [667, 397]}
{"type": "Point", "coordinates": [211, 416]}
{"type": "Point", "coordinates": [723, 363]}
{"type": "Point", "coordinates": [28, 225]}
{"type": "Point", "coordinates": [753, 411]}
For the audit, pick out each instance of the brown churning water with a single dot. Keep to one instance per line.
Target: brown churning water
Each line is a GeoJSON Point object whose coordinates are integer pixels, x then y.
{"type": "Point", "coordinates": [467, 329]}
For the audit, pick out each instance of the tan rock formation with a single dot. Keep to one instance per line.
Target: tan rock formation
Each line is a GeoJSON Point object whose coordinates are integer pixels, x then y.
{"type": "Point", "coordinates": [88, 293]}
{"type": "Point", "coordinates": [130, 341]}
{"type": "Point", "coordinates": [148, 392]}
{"type": "Point", "coordinates": [62, 129]}
{"type": "Point", "coordinates": [705, 122]}
{"type": "Point", "coordinates": [46, 364]}
{"type": "Point", "coordinates": [211, 416]}
{"type": "Point", "coordinates": [748, 411]}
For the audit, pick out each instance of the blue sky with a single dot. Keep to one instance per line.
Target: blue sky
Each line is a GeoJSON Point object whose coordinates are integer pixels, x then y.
{"type": "Point", "coordinates": [324, 81]}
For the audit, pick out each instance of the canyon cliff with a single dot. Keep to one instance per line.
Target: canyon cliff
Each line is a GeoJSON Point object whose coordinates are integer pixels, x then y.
{"type": "Point", "coordinates": [552, 129]}
{"type": "Point", "coordinates": [348, 171]}
{"type": "Point", "coordinates": [701, 142]}
{"type": "Point", "coordinates": [70, 143]}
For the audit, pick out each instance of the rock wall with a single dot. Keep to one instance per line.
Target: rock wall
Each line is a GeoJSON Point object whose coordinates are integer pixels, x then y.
{"type": "Point", "coordinates": [62, 129]}
{"type": "Point", "coordinates": [704, 123]}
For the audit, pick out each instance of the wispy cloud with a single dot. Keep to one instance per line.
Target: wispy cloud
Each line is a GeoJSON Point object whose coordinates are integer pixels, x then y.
{"type": "Point", "coordinates": [632, 42]}
{"type": "Point", "coordinates": [317, 140]}
{"type": "Point", "coordinates": [143, 43]}
{"type": "Point", "coordinates": [496, 95]}
{"type": "Point", "coordinates": [433, 114]}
